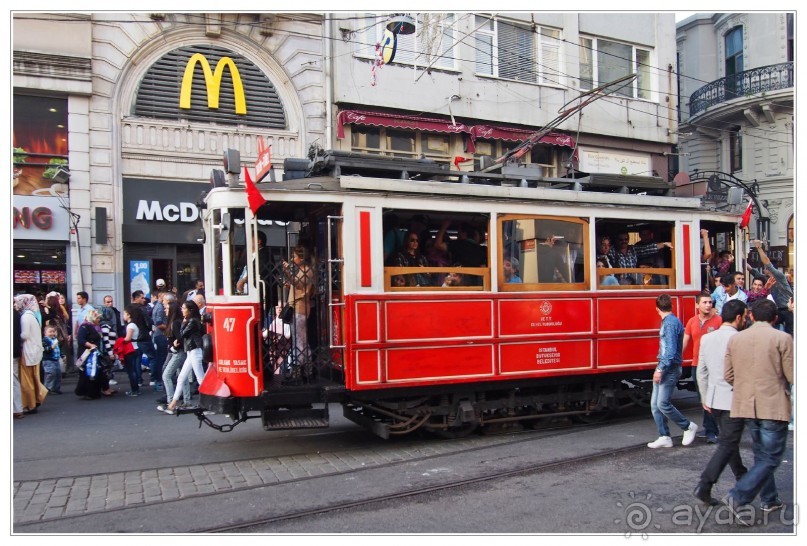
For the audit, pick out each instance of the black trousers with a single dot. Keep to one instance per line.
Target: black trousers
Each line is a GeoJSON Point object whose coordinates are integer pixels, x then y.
{"type": "Point", "coordinates": [728, 449]}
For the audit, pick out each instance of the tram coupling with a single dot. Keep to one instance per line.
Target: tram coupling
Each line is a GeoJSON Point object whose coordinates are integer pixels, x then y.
{"type": "Point", "coordinates": [202, 415]}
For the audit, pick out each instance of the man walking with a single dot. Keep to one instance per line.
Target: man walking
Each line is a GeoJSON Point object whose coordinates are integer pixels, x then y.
{"type": "Point", "coordinates": [759, 364]}
{"type": "Point", "coordinates": [716, 398]}
{"type": "Point", "coordinates": [665, 378]}
{"type": "Point", "coordinates": [705, 321]}
{"type": "Point", "coordinates": [109, 302]}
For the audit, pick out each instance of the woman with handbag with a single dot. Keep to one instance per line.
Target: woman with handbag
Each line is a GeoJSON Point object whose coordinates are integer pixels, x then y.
{"type": "Point", "coordinates": [132, 316]}
{"type": "Point", "coordinates": [92, 379]}
{"type": "Point", "coordinates": [176, 352]}
{"type": "Point", "coordinates": [191, 338]}
{"type": "Point", "coordinates": [31, 357]}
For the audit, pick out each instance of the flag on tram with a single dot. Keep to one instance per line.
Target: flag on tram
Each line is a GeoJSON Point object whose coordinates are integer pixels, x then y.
{"type": "Point", "coordinates": [254, 196]}
{"type": "Point", "coordinates": [746, 215]}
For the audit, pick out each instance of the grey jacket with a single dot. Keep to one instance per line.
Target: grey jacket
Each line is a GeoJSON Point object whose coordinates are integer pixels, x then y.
{"type": "Point", "coordinates": [715, 390]}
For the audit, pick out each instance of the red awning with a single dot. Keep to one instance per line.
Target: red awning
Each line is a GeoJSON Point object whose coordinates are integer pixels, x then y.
{"type": "Point", "coordinates": [379, 119]}
{"type": "Point", "coordinates": [517, 135]}
{"type": "Point", "coordinates": [399, 121]}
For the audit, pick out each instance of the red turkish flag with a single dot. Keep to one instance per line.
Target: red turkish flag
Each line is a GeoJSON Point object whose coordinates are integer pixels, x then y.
{"type": "Point", "coordinates": [746, 215]}
{"type": "Point", "coordinates": [254, 196]}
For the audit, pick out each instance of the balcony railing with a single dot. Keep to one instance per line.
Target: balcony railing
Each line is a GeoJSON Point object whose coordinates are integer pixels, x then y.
{"type": "Point", "coordinates": [750, 82]}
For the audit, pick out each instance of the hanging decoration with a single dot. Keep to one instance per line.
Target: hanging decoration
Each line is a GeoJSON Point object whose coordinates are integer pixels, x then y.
{"type": "Point", "coordinates": [378, 62]}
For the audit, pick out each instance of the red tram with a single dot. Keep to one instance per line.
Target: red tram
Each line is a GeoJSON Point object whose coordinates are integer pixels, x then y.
{"type": "Point", "coordinates": [505, 314]}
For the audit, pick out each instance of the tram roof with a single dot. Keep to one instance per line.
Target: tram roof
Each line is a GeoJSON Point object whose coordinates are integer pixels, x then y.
{"type": "Point", "coordinates": [348, 184]}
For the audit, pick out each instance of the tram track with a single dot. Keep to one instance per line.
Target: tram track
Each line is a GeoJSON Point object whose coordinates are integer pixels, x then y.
{"type": "Point", "coordinates": [245, 526]}
{"type": "Point", "coordinates": [510, 442]}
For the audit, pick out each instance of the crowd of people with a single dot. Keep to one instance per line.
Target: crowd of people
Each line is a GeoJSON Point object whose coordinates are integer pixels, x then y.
{"type": "Point", "coordinates": [743, 347]}
{"type": "Point", "coordinates": [148, 337]}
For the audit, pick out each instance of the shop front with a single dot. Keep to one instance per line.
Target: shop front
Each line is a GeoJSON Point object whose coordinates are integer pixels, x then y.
{"type": "Point", "coordinates": [161, 234]}
{"type": "Point", "coordinates": [41, 229]}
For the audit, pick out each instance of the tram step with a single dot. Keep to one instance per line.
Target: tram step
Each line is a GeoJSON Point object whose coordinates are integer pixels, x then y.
{"type": "Point", "coordinates": [295, 418]}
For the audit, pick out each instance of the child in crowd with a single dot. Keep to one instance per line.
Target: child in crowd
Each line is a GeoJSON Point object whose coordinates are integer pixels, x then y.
{"type": "Point", "coordinates": [50, 361]}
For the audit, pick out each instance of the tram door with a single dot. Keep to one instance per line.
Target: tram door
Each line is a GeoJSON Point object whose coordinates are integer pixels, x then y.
{"type": "Point", "coordinates": [300, 287]}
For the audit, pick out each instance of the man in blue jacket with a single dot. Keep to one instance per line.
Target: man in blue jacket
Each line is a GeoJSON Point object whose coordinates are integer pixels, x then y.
{"type": "Point", "coordinates": [665, 378]}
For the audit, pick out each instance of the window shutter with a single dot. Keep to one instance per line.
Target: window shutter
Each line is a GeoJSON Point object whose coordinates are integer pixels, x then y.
{"type": "Point", "coordinates": [516, 53]}
{"type": "Point", "coordinates": [550, 56]}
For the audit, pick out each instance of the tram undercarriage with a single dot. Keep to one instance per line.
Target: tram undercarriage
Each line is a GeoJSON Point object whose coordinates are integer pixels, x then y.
{"type": "Point", "coordinates": [445, 413]}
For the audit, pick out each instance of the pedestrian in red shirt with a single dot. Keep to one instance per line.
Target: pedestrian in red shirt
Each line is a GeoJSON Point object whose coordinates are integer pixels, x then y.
{"type": "Point", "coordinates": [705, 320]}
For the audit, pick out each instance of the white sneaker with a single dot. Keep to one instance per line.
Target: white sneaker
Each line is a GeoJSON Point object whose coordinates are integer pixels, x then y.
{"type": "Point", "coordinates": [113, 382]}
{"type": "Point", "coordinates": [689, 434]}
{"type": "Point", "coordinates": [663, 441]}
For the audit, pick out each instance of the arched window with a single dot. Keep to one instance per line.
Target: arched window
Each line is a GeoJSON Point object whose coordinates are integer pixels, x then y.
{"type": "Point", "coordinates": [161, 90]}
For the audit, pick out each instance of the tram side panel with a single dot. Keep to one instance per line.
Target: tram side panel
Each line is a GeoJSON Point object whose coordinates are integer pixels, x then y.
{"type": "Point", "coordinates": [410, 341]}
{"type": "Point", "coordinates": [236, 366]}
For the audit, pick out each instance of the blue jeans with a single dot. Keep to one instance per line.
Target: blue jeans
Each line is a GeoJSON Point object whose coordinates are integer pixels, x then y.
{"type": "Point", "coordinates": [769, 439]}
{"type": "Point", "coordinates": [53, 375]}
{"type": "Point", "coordinates": [660, 404]}
{"type": "Point", "coordinates": [161, 351]}
{"type": "Point", "coordinates": [132, 363]}
{"type": "Point", "coordinates": [169, 371]}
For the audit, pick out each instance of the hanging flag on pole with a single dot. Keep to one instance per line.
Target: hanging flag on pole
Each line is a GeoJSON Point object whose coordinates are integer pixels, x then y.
{"type": "Point", "coordinates": [744, 221]}
{"type": "Point", "coordinates": [254, 196]}
{"type": "Point", "coordinates": [459, 159]}
{"type": "Point", "coordinates": [264, 162]}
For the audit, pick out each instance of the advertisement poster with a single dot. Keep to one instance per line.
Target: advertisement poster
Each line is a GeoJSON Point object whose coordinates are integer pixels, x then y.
{"type": "Point", "coordinates": [39, 146]}
{"type": "Point", "coordinates": [140, 276]}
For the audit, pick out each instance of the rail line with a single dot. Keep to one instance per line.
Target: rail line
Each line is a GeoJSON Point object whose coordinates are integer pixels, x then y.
{"type": "Point", "coordinates": [424, 490]}
{"type": "Point", "coordinates": [423, 451]}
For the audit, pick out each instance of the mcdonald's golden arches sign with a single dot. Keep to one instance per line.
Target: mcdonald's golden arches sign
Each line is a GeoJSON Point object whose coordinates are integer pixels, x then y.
{"type": "Point", "coordinates": [205, 83]}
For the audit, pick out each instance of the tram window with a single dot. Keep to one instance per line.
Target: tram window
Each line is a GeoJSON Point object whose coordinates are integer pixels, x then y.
{"type": "Point", "coordinates": [216, 250]}
{"type": "Point", "coordinates": [441, 251]}
{"type": "Point", "coordinates": [634, 255]}
{"type": "Point", "coordinates": [543, 253]}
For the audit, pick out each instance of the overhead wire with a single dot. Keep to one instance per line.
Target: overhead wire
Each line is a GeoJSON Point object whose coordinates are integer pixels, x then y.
{"type": "Point", "coordinates": [380, 19]}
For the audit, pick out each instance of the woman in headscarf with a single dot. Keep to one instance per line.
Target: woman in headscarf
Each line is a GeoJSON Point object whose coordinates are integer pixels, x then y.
{"type": "Point", "coordinates": [92, 379]}
{"type": "Point", "coordinates": [31, 357]}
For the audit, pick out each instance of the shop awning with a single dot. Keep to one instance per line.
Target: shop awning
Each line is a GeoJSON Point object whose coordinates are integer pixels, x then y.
{"type": "Point", "coordinates": [517, 135]}
{"type": "Point", "coordinates": [420, 123]}
{"type": "Point", "coordinates": [379, 119]}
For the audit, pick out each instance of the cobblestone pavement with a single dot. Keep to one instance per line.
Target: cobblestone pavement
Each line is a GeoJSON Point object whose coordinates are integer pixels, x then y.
{"type": "Point", "coordinates": [54, 498]}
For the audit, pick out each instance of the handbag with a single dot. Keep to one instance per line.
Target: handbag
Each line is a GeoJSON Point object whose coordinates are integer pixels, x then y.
{"type": "Point", "coordinates": [287, 314]}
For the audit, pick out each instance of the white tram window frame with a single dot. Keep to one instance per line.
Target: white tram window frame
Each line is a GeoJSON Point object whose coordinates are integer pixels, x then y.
{"type": "Point", "coordinates": [650, 276]}
{"type": "Point", "coordinates": [480, 275]}
{"type": "Point", "coordinates": [572, 245]}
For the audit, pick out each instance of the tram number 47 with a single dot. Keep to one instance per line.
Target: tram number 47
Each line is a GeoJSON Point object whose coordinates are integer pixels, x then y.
{"type": "Point", "coordinates": [229, 324]}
